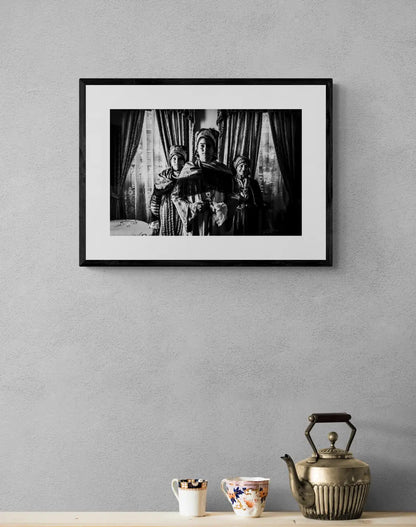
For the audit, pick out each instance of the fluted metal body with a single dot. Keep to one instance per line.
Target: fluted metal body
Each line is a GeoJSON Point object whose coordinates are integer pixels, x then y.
{"type": "Point", "coordinates": [337, 502]}
{"type": "Point", "coordinates": [340, 489]}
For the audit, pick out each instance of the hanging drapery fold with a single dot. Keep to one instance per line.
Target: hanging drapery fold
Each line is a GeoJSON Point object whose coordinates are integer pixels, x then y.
{"type": "Point", "coordinates": [287, 138]}
{"type": "Point", "coordinates": [176, 128]}
{"type": "Point", "coordinates": [125, 139]}
{"type": "Point", "coordinates": [240, 134]}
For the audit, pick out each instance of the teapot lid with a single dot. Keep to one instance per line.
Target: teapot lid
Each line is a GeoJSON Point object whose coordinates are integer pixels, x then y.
{"type": "Point", "coordinates": [333, 452]}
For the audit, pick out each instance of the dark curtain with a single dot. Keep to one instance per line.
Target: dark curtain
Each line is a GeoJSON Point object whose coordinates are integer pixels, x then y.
{"type": "Point", "coordinates": [176, 128]}
{"type": "Point", "coordinates": [287, 137]}
{"type": "Point", "coordinates": [240, 134]}
{"type": "Point", "coordinates": [126, 129]}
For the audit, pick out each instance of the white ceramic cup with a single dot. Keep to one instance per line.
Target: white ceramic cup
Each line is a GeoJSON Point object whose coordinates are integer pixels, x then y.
{"type": "Point", "coordinates": [191, 495]}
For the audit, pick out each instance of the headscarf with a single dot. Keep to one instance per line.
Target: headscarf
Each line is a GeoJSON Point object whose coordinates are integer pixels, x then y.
{"type": "Point", "coordinates": [241, 159]}
{"type": "Point", "coordinates": [177, 150]}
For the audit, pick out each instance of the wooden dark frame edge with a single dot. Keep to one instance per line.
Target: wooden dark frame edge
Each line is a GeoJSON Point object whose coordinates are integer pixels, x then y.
{"type": "Point", "coordinates": [82, 175]}
{"type": "Point", "coordinates": [83, 262]}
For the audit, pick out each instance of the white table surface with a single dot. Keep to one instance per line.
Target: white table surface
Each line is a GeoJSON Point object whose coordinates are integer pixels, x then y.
{"type": "Point", "coordinates": [212, 519]}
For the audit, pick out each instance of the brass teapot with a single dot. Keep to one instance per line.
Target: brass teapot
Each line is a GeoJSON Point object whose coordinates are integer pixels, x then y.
{"type": "Point", "coordinates": [330, 485]}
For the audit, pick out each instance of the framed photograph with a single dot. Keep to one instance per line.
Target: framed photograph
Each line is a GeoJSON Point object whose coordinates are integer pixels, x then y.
{"type": "Point", "coordinates": [206, 172]}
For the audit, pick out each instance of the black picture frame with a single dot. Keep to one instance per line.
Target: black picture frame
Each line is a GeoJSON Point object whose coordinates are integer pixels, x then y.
{"type": "Point", "coordinates": [86, 260]}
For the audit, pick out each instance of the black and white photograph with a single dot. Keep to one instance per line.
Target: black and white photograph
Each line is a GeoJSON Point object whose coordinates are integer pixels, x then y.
{"type": "Point", "coordinates": [206, 172]}
{"type": "Point", "coordinates": [244, 179]}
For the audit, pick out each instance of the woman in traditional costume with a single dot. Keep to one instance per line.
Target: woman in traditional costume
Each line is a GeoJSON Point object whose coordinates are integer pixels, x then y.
{"type": "Point", "coordinates": [248, 199]}
{"type": "Point", "coordinates": [203, 188]}
{"type": "Point", "coordinates": [165, 215]}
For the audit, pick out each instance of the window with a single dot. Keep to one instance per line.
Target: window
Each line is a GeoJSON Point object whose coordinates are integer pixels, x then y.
{"type": "Point", "coordinates": [148, 162]}
{"type": "Point", "coordinates": [270, 180]}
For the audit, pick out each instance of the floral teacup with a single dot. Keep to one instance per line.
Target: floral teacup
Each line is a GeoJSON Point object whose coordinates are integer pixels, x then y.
{"type": "Point", "coordinates": [247, 495]}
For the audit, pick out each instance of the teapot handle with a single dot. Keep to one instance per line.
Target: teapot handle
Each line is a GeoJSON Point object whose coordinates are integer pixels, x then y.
{"type": "Point", "coordinates": [329, 418]}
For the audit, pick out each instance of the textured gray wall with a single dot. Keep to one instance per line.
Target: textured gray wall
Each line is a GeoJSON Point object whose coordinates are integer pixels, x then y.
{"type": "Point", "coordinates": [114, 381]}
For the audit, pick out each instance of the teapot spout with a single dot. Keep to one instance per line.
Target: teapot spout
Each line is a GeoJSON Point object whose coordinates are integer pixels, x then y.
{"type": "Point", "coordinates": [302, 490]}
